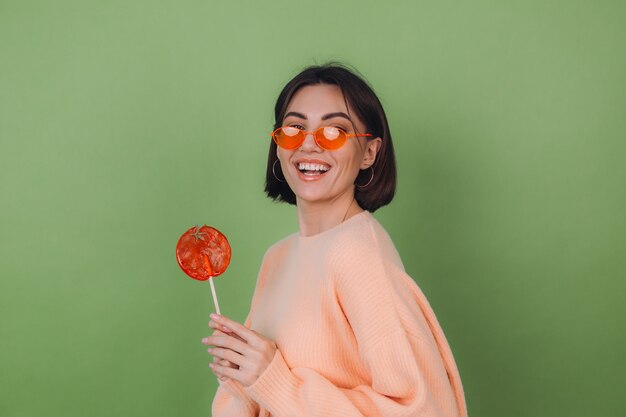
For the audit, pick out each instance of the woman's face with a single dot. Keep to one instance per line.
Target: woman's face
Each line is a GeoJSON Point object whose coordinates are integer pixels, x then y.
{"type": "Point", "coordinates": [313, 173]}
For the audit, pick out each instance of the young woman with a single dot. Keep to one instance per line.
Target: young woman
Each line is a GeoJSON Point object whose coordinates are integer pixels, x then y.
{"type": "Point", "coordinates": [336, 327]}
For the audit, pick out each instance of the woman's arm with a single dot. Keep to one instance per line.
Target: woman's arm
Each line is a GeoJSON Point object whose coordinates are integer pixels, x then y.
{"type": "Point", "coordinates": [406, 358]}
{"type": "Point", "coordinates": [230, 399]}
{"type": "Point", "coordinates": [398, 386]}
{"type": "Point", "coordinates": [406, 368]}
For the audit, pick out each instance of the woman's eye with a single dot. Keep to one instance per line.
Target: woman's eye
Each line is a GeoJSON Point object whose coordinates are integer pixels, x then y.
{"type": "Point", "coordinates": [297, 126]}
{"type": "Point", "coordinates": [341, 128]}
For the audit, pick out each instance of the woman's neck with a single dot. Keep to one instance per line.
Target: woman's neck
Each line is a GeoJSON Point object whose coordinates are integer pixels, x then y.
{"type": "Point", "coordinates": [318, 217]}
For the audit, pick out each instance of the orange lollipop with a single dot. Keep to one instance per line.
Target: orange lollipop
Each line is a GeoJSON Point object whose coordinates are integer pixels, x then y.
{"type": "Point", "coordinates": [203, 253]}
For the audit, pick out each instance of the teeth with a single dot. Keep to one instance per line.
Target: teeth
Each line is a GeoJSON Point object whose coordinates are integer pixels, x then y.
{"type": "Point", "coordinates": [312, 167]}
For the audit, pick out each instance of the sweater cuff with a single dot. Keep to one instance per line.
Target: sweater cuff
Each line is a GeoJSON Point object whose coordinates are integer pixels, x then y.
{"type": "Point", "coordinates": [276, 389]}
{"type": "Point", "coordinates": [236, 390]}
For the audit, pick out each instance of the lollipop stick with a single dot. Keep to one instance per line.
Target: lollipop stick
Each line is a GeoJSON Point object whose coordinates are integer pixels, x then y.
{"type": "Point", "coordinates": [217, 306]}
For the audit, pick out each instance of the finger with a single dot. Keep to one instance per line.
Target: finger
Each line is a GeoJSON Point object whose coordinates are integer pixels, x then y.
{"type": "Point", "coordinates": [205, 340]}
{"type": "Point", "coordinates": [228, 355]}
{"type": "Point", "coordinates": [224, 362]}
{"type": "Point", "coordinates": [215, 325]}
{"type": "Point", "coordinates": [218, 375]}
{"type": "Point", "coordinates": [248, 335]}
{"type": "Point", "coordinates": [215, 332]}
{"type": "Point", "coordinates": [219, 330]}
{"type": "Point", "coordinates": [228, 342]}
{"type": "Point", "coordinates": [226, 372]}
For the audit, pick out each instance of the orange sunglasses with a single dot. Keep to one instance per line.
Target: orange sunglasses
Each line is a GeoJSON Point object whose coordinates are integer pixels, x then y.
{"type": "Point", "coordinates": [328, 137]}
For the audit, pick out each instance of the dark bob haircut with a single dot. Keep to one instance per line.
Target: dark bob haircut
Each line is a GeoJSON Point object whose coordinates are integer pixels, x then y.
{"type": "Point", "coordinates": [359, 97]}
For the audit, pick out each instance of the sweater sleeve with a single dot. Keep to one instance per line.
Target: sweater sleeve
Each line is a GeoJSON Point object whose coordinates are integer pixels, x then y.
{"type": "Point", "coordinates": [395, 389]}
{"type": "Point", "coordinates": [231, 401]}
{"type": "Point", "coordinates": [397, 359]}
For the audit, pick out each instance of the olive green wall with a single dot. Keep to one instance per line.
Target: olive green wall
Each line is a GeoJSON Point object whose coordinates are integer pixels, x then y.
{"type": "Point", "coordinates": [123, 123]}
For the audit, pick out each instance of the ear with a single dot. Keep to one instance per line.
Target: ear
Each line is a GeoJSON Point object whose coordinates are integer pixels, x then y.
{"type": "Point", "coordinates": [371, 150]}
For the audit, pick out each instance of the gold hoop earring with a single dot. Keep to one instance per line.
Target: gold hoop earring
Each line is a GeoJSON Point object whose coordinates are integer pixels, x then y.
{"type": "Point", "coordinates": [369, 182]}
{"type": "Point", "coordinates": [274, 172]}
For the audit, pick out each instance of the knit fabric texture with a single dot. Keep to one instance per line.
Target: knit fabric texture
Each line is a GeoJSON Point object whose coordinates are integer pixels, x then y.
{"type": "Point", "coordinates": [355, 334]}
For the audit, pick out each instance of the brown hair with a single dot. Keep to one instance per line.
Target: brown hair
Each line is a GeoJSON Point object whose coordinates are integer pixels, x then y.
{"type": "Point", "coordinates": [361, 98]}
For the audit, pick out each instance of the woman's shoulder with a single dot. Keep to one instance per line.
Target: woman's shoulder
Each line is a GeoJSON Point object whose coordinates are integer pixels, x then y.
{"type": "Point", "coordinates": [277, 249]}
{"type": "Point", "coordinates": [361, 238]}
{"type": "Point", "coordinates": [364, 239]}
{"type": "Point", "coordinates": [367, 274]}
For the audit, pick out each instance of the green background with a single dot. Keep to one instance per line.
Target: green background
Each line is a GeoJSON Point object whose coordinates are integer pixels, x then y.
{"type": "Point", "coordinates": [124, 123]}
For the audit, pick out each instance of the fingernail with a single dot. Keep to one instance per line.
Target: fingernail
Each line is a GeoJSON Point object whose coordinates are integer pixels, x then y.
{"type": "Point", "coordinates": [205, 340]}
{"type": "Point", "coordinates": [226, 329]}
{"type": "Point", "coordinates": [215, 316]}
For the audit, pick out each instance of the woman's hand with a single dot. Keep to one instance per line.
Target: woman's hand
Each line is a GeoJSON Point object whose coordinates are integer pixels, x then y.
{"type": "Point", "coordinates": [246, 352]}
{"type": "Point", "coordinates": [222, 362]}
{"type": "Point", "coordinates": [220, 330]}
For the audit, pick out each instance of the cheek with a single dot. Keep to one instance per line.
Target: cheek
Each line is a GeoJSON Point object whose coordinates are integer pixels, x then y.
{"type": "Point", "coordinates": [284, 158]}
{"type": "Point", "coordinates": [350, 160]}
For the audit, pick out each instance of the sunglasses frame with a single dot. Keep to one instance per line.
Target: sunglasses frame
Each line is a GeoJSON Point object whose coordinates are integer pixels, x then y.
{"type": "Point", "coordinates": [305, 133]}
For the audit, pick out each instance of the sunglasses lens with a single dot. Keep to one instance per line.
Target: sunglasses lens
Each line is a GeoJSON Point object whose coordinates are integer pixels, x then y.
{"type": "Point", "coordinates": [331, 137]}
{"type": "Point", "coordinates": [288, 137]}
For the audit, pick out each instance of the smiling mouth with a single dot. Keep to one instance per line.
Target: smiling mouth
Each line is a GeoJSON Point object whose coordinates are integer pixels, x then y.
{"type": "Point", "coordinates": [311, 169]}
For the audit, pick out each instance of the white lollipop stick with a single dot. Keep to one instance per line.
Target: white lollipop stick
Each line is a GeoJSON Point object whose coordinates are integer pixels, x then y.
{"type": "Point", "coordinates": [217, 306]}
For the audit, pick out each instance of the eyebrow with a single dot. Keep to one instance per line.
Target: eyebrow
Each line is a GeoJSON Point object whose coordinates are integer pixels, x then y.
{"type": "Point", "coordinates": [324, 117]}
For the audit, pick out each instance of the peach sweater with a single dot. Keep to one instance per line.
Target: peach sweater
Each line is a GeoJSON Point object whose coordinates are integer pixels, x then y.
{"type": "Point", "coordinates": [355, 334]}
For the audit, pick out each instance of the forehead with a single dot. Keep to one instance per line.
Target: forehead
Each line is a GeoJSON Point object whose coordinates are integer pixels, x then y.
{"type": "Point", "coordinates": [318, 99]}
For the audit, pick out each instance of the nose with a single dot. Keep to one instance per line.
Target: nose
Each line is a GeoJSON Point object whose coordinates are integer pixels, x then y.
{"type": "Point", "coordinates": [309, 144]}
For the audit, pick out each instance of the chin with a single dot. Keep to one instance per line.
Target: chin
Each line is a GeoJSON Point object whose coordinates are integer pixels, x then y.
{"type": "Point", "coordinates": [311, 197]}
